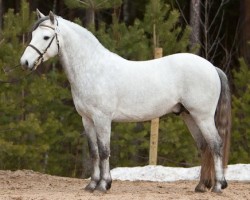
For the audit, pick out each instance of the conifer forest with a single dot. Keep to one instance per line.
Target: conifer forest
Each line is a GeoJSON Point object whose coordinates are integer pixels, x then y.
{"type": "Point", "coordinates": [39, 126]}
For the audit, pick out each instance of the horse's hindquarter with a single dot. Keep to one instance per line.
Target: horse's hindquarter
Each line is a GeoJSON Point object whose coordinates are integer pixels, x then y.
{"type": "Point", "coordinates": [200, 84]}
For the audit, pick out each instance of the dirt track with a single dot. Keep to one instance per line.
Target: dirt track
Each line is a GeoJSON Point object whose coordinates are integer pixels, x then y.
{"type": "Point", "coordinates": [22, 185]}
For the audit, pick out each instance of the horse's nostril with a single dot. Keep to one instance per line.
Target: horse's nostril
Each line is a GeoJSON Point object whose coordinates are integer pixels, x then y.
{"type": "Point", "coordinates": [27, 63]}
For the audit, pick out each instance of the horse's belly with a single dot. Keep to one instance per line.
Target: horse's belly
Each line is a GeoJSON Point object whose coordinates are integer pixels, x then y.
{"type": "Point", "coordinates": [133, 117]}
{"type": "Point", "coordinates": [143, 112]}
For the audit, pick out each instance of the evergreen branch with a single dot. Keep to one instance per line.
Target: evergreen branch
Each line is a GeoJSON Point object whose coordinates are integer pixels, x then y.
{"type": "Point", "coordinates": [84, 3]}
{"type": "Point", "coordinates": [182, 14]}
{"type": "Point", "coordinates": [101, 3]}
{"type": "Point", "coordinates": [2, 41]}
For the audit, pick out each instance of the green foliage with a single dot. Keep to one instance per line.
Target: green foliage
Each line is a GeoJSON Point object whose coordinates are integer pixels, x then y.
{"type": "Point", "coordinates": [136, 42]}
{"type": "Point", "coordinates": [176, 145]}
{"type": "Point", "coordinates": [39, 127]}
{"type": "Point", "coordinates": [129, 42]}
{"type": "Point", "coordinates": [11, 109]}
{"type": "Point", "coordinates": [240, 149]}
{"type": "Point", "coordinates": [129, 144]}
{"type": "Point", "coordinates": [93, 4]}
{"type": "Point", "coordinates": [164, 21]}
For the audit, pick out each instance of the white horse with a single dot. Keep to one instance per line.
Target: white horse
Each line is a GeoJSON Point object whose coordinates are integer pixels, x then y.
{"type": "Point", "coordinates": [106, 87]}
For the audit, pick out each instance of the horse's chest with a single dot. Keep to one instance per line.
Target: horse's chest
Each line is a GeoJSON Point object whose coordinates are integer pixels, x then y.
{"type": "Point", "coordinates": [88, 99]}
{"type": "Point", "coordinates": [82, 100]}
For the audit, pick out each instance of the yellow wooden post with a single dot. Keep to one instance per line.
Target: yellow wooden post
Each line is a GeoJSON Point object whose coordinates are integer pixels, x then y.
{"type": "Point", "coordinates": [154, 127]}
{"type": "Point", "coordinates": [158, 52]}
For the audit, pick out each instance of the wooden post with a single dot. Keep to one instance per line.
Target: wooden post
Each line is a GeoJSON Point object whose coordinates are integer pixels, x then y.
{"type": "Point", "coordinates": [158, 52]}
{"type": "Point", "coordinates": [154, 127]}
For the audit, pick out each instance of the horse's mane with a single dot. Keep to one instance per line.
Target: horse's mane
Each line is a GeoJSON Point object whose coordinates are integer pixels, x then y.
{"type": "Point", "coordinates": [81, 31]}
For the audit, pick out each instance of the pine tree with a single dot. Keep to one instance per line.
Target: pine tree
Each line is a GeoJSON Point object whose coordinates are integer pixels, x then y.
{"type": "Point", "coordinates": [240, 149]}
{"type": "Point", "coordinates": [91, 7]}
{"type": "Point", "coordinates": [39, 127]}
{"type": "Point", "coordinates": [12, 95]}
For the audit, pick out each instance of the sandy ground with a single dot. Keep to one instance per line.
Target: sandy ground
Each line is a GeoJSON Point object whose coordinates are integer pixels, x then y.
{"type": "Point", "coordinates": [25, 184]}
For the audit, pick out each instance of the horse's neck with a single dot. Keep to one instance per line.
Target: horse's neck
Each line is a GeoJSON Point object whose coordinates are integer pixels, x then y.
{"type": "Point", "coordinates": [80, 49]}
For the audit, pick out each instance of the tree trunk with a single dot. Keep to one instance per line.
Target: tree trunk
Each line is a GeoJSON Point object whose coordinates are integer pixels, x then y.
{"type": "Point", "coordinates": [90, 17]}
{"type": "Point", "coordinates": [126, 11]}
{"type": "Point", "coordinates": [54, 6]}
{"type": "Point", "coordinates": [245, 31]}
{"type": "Point", "coordinates": [195, 22]}
{"type": "Point", "coordinates": [1, 14]}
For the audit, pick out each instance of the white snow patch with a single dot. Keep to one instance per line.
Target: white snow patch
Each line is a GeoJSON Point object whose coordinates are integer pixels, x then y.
{"type": "Point", "coordinates": [240, 172]}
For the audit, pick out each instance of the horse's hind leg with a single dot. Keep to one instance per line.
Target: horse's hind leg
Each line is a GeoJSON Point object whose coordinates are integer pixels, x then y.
{"type": "Point", "coordinates": [94, 154]}
{"type": "Point", "coordinates": [207, 163]}
{"type": "Point", "coordinates": [207, 170]}
{"type": "Point", "coordinates": [210, 133]}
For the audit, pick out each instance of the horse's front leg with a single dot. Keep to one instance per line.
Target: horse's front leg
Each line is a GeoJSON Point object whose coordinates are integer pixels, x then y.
{"type": "Point", "coordinates": [94, 154]}
{"type": "Point", "coordinates": [103, 132]}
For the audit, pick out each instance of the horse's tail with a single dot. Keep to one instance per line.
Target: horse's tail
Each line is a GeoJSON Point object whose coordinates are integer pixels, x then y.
{"type": "Point", "coordinates": [223, 115]}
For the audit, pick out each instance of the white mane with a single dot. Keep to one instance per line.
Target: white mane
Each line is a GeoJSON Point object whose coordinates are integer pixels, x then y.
{"type": "Point", "coordinates": [80, 48]}
{"type": "Point", "coordinates": [83, 34]}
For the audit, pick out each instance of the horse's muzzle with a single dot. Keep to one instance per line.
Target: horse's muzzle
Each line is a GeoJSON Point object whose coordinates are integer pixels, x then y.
{"type": "Point", "coordinates": [26, 64]}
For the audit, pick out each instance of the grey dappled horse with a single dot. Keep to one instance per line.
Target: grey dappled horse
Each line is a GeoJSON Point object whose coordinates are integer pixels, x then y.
{"type": "Point", "coordinates": [106, 87]}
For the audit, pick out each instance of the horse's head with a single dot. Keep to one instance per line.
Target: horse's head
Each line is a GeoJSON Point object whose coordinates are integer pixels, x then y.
{"type": "Point", "coordinates": [44, 43]}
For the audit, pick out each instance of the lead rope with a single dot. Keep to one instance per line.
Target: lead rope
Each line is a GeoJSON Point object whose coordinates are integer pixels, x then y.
{"type": "Point", "coordinates": [6, 71]}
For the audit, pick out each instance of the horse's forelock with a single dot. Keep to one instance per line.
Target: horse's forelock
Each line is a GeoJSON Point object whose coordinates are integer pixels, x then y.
{"type": "Point", "coordinates": [38, 22]}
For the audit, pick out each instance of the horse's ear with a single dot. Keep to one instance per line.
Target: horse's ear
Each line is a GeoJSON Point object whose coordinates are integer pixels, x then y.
{"type": "Point", "coordinates": [52, 17]}
{"type": "Point", "coordinates": [39, 14]}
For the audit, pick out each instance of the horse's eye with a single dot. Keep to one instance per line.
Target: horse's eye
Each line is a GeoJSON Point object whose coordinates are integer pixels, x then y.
{"type": "Point", "coordinates": [46, 37]}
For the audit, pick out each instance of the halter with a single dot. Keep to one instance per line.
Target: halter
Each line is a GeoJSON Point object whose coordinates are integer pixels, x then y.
{"type": "Point", "coordinates": [40, 58]}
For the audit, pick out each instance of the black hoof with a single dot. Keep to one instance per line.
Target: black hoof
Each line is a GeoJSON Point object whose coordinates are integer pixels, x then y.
{"type": "Point", "coordinates": [104, 186]}
{"type": "Point", "coordinates": [108, 186]}
{"type": "Point", "coordinates": [224, 184]}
